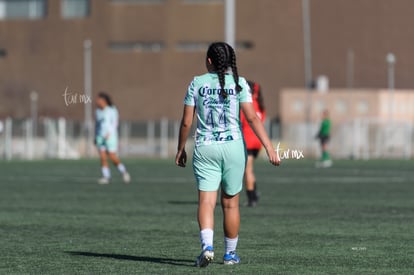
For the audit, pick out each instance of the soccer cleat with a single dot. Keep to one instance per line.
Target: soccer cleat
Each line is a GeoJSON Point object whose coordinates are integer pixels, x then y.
{"type": "Point", "coordinates": [126, 177]}
{"type": "Point", "coordinates": [327, 163]}
{"type": "Point", "coordinates": [251, 203]}
{"type": "Point", "coordinates": [324, 164]}
{"type": "Point", "coordinates": [231, 258]}
{"type": "Point", "coordinates": [205, 257]}
{"type": "Point", "coordinates": [103, 181]}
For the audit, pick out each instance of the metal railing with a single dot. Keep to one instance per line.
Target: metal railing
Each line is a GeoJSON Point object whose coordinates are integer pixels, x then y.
{"type": "Point", "coordinates": [66, 139]}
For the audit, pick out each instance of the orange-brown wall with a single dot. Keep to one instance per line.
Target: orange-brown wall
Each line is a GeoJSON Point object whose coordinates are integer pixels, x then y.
{"type": "Point", "coordinates": [47, 55]}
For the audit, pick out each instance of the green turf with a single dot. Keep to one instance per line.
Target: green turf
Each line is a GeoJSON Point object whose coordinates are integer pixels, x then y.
{"type": "Point", "coordinates": [356, 218]}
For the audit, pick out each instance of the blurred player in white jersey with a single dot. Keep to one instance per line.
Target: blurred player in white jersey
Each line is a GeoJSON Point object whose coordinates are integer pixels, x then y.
{"type": "Point", "coordinates": [106, 137]}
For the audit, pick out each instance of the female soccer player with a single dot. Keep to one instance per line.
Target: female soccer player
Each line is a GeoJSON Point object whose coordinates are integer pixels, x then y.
{"type": "Point", "coordinates": [253, 144]}
{"type": "Point", "coordinates": [219, 155]}
{"type": "Point", "coordinates": [106, 137]}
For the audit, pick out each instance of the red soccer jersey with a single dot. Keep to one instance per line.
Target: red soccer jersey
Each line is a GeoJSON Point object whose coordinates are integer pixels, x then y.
{"type": "Point", "coordinates": [252, 141]}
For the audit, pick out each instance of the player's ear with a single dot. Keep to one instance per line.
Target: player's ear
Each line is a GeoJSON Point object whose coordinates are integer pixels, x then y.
{"type": "Point", "coordinates": [209, 64]}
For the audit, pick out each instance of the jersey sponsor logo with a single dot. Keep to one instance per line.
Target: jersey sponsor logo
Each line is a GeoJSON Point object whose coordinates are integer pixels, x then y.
{"type": "Point", "coordinates": [204, 91]}
{"type": "Point", "coordinates": [216, 101]}
{"type": "Point", "coordinates": [218, 136]}
{"type": "Point", "coordinates": [209, 101]}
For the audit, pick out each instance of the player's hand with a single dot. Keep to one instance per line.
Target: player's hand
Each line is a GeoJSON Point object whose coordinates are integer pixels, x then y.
{"type": "Point", "coordinates": [181, 158]}
{"type": "Point", "coordinates": [273, 157]}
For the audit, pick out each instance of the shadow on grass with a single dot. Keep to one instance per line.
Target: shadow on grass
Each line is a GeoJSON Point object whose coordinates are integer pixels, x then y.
{"type": "Point", "coordinates": [168, 261]}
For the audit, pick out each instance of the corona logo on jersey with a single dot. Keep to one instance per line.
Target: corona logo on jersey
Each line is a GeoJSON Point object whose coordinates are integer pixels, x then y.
{"type": "Point", "coordinates": [209, 101]}
{"type": "Point", "coordinates": [203, 91]}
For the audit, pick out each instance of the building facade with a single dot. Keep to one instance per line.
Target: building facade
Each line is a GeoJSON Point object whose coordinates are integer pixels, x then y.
{"type": "Point", "coordinates": [145, 52]}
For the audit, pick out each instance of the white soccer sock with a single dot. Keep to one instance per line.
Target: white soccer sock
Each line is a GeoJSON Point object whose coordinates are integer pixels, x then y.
{"type": "Point", "coordinates": [121, 168]}
{"type": "Point", "coordinates": [206, 238]}
{"type": "Point", "coordinates": [230, 244]}
{"type": "Point", "coordinates": [106, 172]}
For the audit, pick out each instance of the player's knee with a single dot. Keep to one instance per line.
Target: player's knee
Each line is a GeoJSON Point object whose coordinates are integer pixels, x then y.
{"type": "Point", "coordinates": [229, 202]}
{"type": "Point", "coordinates": [229, 205]}
{"type": "Point", "coordinates": [249, 175]}
{"type": "Point", "coordinates": [207, 200]}
{"type": "Point", "coordinates": [207, 203]}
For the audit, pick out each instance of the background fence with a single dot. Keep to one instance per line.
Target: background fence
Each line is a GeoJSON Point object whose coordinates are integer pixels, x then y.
{"type": "Point", "coordinates": [66, 139]}
{"type": "Point", "coordinates": [361, 138]}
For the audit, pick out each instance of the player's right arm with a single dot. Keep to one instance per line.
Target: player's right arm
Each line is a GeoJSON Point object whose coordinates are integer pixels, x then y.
{"type": "Point", "coordinates": [185, 127]}
{"type": "Point", "coordinates": [259, 130]}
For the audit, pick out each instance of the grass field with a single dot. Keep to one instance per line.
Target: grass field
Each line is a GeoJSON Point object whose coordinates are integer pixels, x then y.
{"type": "Point", "coordinates": [356, 218]}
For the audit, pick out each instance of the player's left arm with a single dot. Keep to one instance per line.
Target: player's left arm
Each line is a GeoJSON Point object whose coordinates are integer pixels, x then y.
{"type": "Point", "coordinates": [185, 127]}
{"type": "Point", "coordinates": [260, 131]}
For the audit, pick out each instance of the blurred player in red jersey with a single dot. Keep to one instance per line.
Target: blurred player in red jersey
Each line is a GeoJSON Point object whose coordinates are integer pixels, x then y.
{"type": "Point", "coordinates": [253, 144]}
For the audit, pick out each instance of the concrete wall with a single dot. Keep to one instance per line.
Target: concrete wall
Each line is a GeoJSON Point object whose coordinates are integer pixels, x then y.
{"type": "Point", "coordinates": [299, 105]}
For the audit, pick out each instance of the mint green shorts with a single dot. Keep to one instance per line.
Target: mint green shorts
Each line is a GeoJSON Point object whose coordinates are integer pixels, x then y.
{"type": "Point", "coordinates": [109, 145]}
{"type": "Point", "coordinates": [222, 165]}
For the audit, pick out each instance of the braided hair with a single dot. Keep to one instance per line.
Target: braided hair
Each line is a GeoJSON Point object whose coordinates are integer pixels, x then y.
{"type": "Point", "coordinates": [223, 57]}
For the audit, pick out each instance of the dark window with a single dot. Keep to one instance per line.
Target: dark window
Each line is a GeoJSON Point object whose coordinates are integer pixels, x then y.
{"type": "Point", "coordinates": [203, 1]}
{"type": "Point", "coordinates": [192, 46]}
{"type": "Point", "coordinates": [138, 1]}
{"type": "Point", "coordinates": [75, 8]}
{"type": "Point", "coordinates": [203, 46]}
{"type": "Point", "coordinates": [136, 46]}
{"type": "Point", "coordinates": [22, 9]}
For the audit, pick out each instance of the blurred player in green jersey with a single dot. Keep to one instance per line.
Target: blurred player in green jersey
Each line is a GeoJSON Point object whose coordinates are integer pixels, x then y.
{"type": "Point", "coordinates": [324, 135]}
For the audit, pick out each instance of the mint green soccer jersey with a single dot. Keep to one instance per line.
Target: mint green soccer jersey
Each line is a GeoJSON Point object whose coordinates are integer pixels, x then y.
{"type": "Point", "coordinates": [107, 122]}
{"type": "Point", "coordinates": [218, 118]}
